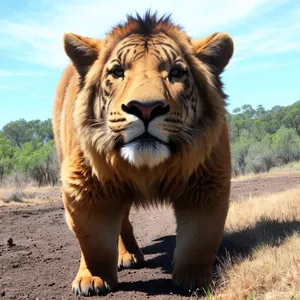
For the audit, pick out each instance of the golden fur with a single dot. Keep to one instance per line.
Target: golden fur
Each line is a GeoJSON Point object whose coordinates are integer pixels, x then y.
{"type": "Point", "coordinates": [190, 170]}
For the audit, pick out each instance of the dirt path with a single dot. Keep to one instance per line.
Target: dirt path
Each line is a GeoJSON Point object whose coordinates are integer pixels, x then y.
{"type": "Point", "coordinates": [45, 257]}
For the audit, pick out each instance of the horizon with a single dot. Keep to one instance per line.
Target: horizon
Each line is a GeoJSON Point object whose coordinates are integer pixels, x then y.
{"type": "Point", "coordinates": [264, 68]}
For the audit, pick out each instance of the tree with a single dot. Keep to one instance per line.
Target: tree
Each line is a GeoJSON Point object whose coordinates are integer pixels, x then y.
{"type": "Point", "coordinates": [248, 111]}
{"type": "Point", "coordinates": [21, 131]}
{"type": "Point", "coordinates": [286, 145]}
{"type": "Point", "coordinates": [292, 117]}
{"type": "Point", "coordinates": [239, 151]}
{"type": "Point", "coordinates": [46, 170]}
{"type": "Point", "coordinates": [260, 156]}
{"type": "Point", "coordinates": [40, 163]}
{"type": "Point", "coordinates": [41, 130]}
{"type": "Point", "coordinates": [18, 132]}
{"type": "Point", "coordinates": [260, 110]}
{"type": "Point", "coordinates": [7, 152]}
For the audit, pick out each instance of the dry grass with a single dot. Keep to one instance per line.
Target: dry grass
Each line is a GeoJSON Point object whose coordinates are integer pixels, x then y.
{"type": "Point", "coordinates": [270, 272]}
{"type": "Point", "coordinates": [263, 241]}
{"type": "Point", "coordinates": [290, 167]}
{"type": "Point", "coordinates": [9, 196]}
{"type": "Point", "coordinates": [13, 196]}
{"type": "Point", "coordinates": [273, 173]}
{"type": "Point", "coordinates": [16, 180]}
{"type": "Point", "coordinates": [277, 171]}
{"type": "Point", "coordinates": [28, 196]}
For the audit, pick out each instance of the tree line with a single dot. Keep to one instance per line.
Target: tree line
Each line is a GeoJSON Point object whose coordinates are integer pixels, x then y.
{"type": "Point", "coordinates": [28, 148]}
{"type": "Point", "coordinates": [260, 140]}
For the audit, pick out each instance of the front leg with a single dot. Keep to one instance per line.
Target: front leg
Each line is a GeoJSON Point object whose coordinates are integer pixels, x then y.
{"type": "Point", "coordinates": [97, 230]}
{"type": "Point", "coordinates": [199, 234]}
{"type": "Point", "coordinates": [130, 255]}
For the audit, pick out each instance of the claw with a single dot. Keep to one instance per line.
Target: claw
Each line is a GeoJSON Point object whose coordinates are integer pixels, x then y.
{"type": "Point", "coordinates": [91, 286]}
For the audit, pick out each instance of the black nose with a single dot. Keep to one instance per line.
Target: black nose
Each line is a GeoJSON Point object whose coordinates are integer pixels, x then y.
{"type": "Point", "coordinates": [146, 111]}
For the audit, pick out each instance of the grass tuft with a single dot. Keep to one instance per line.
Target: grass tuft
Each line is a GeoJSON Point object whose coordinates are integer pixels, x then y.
{"type": "Point", "coordinates": [13, 196]}
{"type": "Point", "coordinates": [263, 260]}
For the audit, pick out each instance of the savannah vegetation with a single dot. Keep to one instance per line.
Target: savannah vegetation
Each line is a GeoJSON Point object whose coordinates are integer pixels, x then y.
{"type": "Point", "coordinates": [264, 262]}
{"type": "Point", "coordinates": [263, 139]}
{"type": "Point", "coordinates": [27, 154]}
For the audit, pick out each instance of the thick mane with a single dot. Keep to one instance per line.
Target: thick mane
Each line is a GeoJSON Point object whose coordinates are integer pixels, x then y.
{"type": "Point", "coordinates": [100, 146]}
{"type": "Point", "coordinates": [138, 120]}
{"type": "Point", "coordinates": [148, 24]}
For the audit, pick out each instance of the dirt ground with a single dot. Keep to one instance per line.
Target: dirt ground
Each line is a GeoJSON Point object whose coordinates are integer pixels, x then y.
{"type": "Point", "coordinates": [42, 258]}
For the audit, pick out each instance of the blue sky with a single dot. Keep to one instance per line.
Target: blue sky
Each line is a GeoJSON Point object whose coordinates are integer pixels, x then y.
{"type": "Point", "coordinates": [265, 68]}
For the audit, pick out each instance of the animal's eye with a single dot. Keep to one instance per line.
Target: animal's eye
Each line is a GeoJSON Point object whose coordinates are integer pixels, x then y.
{"type": "Point", "coordinates": [117, 72]}
{"type": "Point", "coordinates": [176, 72]}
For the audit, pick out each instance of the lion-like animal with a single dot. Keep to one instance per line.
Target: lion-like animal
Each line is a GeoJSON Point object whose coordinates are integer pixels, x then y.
{"type": "Point", "coordinates": [140, 119]}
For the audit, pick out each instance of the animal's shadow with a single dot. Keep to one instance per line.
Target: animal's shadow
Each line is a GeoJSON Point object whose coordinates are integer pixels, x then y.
{"type": "Point", "coordinates": [237, 244]}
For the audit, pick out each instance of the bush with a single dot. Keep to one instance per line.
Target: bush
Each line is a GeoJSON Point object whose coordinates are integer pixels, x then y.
{"type": "Point", "coordinates": [286, 145]}
{"type": "Point", "coordinates": [260, 157]}
{"type": "Point", "coordinates": [13, 196]}
{"type": "Point", "coordinates": [46, 172]}
{"type": "Point", "coordinates": [39, 162]}
{"type": "Point", "coordinates": [6, 154]}
{"type": "Point", "coordinates": [239, 152]}
{"type": "Point", "coordinates": [27, 149]}
{"type": "Point", "coordinates": [16, 180]}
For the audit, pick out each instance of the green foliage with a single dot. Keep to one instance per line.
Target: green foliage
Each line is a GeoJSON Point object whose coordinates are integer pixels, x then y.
{"type": "Point", "coordinates": [239, 152]}
{"type": "Point", "coordinates": [262, 139]}
{"type": "Point", "coordinates": [32, 154]}
{"type": "Point", "coordinates": [20, 132]}
{"type": "Point", "coordinates": [286, 144]}
{"type": "Point", "coordinates": [7, 152]}
{"type": "Point", "coordinates": [28, 147]}
{"type": "Point", "coordinates": [292, 118]}
{"type": "Point", "coordinates": [260, 157]}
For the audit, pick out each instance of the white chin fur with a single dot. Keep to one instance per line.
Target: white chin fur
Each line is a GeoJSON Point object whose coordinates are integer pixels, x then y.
{"type": "Point", "coordinates": [145, 154]}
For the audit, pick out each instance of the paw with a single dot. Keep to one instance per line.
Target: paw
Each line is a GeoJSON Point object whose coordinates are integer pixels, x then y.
{"type": "Point", "coordinates": [191, 282]}
{"type": "Point", "coordinates": [91, 286]}
{"type": "Point", "coordinates": [130, 261]}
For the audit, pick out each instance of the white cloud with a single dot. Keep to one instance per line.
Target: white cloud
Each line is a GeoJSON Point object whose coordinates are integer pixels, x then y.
{"type": "Point", "coordinates": [279, 34]}
{"type": "Point", "coordinates": [268, 41]}
{"type": "Point", "coordinates": [36, 36]}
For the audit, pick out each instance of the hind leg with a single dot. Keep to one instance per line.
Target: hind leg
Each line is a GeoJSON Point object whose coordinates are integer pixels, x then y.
{"type": "Point", "coordinates": [130, 255]}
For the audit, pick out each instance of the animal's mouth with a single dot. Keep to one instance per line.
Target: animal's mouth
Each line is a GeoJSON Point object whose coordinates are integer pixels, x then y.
{"type": "Point", "coordinates": [147, 138]}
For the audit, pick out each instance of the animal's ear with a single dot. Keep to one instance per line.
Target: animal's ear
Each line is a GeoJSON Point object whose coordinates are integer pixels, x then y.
{"type": "Point", "coordinates": [83, 51]}
{"type": "Point", "coordinates": [214, 50]}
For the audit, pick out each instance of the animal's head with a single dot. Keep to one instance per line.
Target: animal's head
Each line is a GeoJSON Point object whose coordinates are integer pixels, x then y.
{"type": "Point", "coordinates": [148, 92]}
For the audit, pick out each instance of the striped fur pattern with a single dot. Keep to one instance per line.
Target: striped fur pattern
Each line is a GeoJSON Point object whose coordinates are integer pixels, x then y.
{"type": "Point", "coordinates": [139, 119]}
{"type": "Point", "coordinates": [146, 56]}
